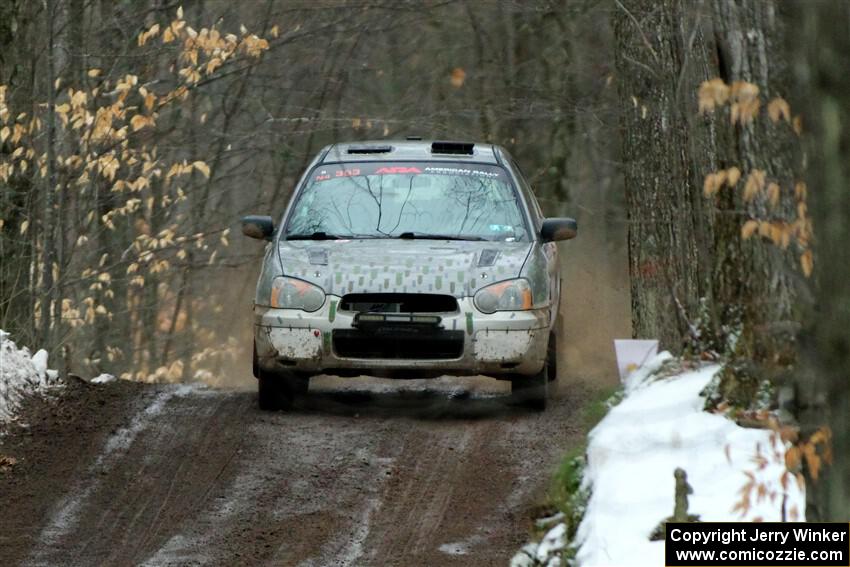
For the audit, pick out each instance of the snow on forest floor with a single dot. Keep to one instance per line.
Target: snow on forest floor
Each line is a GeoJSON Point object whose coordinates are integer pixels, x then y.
{"type": "Point", "coordinates": [632, 453]}
{"type": "Point", "coordinates": [21, 374]}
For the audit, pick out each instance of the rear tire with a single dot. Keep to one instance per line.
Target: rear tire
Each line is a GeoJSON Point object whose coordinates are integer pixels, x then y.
{"type": "Point", "coordinates": [531, 392]}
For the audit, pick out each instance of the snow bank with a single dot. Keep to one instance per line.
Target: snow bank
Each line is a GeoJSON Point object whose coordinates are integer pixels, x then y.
{"type": "Point", "coordinates": [547, 553]}
{"type": "Point", "coordinates": [633, 451]}
{"type": "Point", "coordinates": [103, 379]}
{"type": "Point", "coordinates": [20, 374]}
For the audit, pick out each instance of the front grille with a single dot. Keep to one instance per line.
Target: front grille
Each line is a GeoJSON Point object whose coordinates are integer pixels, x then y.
{"type": "Point", "coordinates": [398, 303]}
{"type": "Point", "coordinates": [398, 342]}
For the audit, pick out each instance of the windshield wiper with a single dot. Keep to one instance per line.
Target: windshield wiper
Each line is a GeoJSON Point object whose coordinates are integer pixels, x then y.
{"type": "Point", "coordinates": [313, 236]}
{"type": "Point", "coordinates": [326, 236]}
{"type": "Point", "coordinates": [426, 236]}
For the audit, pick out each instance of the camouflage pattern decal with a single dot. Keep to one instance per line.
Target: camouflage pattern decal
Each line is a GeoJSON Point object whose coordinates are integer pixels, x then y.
{"type": "Point", "coordinates": [403, 266]}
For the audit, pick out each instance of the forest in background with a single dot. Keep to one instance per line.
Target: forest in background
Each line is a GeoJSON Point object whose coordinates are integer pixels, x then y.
{"type": "Point", "coordinates": [146, 289]}
{"type": "Point", "coordinates": [704, 141]}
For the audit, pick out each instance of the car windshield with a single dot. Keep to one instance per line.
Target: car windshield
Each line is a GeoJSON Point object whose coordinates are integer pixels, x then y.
{"type": "Point", "coordinates": [408, 200]}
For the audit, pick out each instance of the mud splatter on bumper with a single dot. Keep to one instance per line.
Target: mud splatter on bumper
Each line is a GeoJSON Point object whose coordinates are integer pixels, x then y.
{"type": "Point", "coordinates": [510, 342]}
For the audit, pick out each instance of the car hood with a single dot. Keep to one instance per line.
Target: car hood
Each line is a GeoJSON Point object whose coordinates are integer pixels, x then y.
{"type": "Point", "coordinates": [456, 267]}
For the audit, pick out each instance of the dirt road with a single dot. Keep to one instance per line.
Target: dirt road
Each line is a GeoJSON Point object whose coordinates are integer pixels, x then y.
{"type": "Point", "coordinates": [406, 474]}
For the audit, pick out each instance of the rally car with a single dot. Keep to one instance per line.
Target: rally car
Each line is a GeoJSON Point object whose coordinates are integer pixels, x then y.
{"type": "Point", "coordinates": [408, 259]}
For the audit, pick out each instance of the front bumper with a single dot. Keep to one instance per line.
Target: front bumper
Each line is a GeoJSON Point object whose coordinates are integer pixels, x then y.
{"type": "Point", "coordinates": [509, 342]}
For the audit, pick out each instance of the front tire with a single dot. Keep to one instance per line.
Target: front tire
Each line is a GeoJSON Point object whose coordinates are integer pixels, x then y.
{"type": "Point", "coordinates": [279, 391]}
{"type": "Point", "coordinates": [552, 357]}
{"type": "Point", "coordinates": [531, 392]}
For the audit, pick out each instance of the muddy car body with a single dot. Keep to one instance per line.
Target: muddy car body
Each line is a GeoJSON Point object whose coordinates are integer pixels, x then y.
{"type": "Point", "coordinates": [408, 259]}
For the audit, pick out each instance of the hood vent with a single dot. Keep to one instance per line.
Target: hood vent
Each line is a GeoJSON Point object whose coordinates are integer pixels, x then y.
{"type": "Point", "coordinates": [452, 148]}
{"type": "Point", "coordinates": [487, 258]}
{"type": "Point", "coordinates": [369, 149]}
{"type": "Point", "coordinates": [318, 257]}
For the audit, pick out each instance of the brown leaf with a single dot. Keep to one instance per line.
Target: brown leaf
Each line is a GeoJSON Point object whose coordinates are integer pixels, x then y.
{"type": "Point", "coordinates": [801, 191]}
{"type": "Point", "coordinates": [778, 109]}
{"type": "Point", "coordinates": [709, 185]}
{"type": "Point", "coordinates": [807, 263]}
{"type": "Point", "coordinates": [458, 77]}
{"type": "Point", "coordinates": [712, 93]}
{"type": "Point", "coordinates": [773, 194]}
{"type": "Point", "coordinates": [788, 434]}
{"type": "Point", "coordinates": [797, 125]}
{"type": "Point", "coordinates": [792, 459]}
{"type": "Point", "coordinates": [749, 229]}
{"type": "Point", "coordinates": [733, 174]}
{"type": "Point", "coordinates": [754, 184]}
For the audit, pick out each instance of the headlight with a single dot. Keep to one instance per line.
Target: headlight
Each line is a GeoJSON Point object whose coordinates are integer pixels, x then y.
{"type": "Point", "coordinates": [510, 295]}
{"type": "Point", "coordinates": [289, 293]}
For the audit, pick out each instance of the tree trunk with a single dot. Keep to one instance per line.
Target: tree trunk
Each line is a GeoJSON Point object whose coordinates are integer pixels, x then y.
{"type": "Point", "coordinates": [822, 41]}
{"type": "Point", "coordinates": [752, 277]}
{"type": "Point", "coordinates": [667, 231]}
{"type": "Point", "coordinates": [48, 246]}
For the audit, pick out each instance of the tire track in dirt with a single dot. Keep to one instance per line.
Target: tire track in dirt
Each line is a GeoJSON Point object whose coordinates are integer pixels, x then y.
{"type": "Point", "coordinates": [198, 477]}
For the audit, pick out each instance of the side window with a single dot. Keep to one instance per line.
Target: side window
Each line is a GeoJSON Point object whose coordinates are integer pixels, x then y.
{"type": "Point", "coordinates": [536, 212]}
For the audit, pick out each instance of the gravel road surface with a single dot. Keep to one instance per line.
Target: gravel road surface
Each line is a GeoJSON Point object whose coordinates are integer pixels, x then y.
{"type": "Point", "coordinates": [362, 472]}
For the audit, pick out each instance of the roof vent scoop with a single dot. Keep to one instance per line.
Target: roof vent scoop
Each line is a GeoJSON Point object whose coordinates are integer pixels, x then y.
{"type": "Point", "coordinates": [456, 148]}
{"type": "Point", "coordinates": [370, 149]}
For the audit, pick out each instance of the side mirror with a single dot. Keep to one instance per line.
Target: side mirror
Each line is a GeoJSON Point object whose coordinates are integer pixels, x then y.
{"type": "Point", "coordinates": [257, 226]}
{"type": "Point", "coordinates": [556, 229]}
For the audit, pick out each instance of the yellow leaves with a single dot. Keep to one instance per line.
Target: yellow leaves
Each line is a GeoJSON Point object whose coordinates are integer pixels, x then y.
{"type": "Point", "coordinates": [733, 174]}
{"type": "Point", "coordinates": [275, 31]}
{"type": "Point", "coordinates": [801, 191]}
{"type": "Point", "coordinates": [139, 121]}
{"type": "Point", "coordinates": [4, 133]}
{"type": "Point", "coordinates": [93, 73]}
{"type": "Point", "coordinates": [754, 185]}
{"type": "Point", "coordinates": [24, 226]}
{"type": "Point", "coordinates": [190, 74]}
{"type": "Point", "coordinates": [711, 94]}
{"type": "Point", "coordinates": [458, 77]}
{"type": "Point", "coordinates": [745, 102]}
{"type": "Point", "coordinates": [146, 35]}
{"type": "Point", "coordinates": [213, 64]}
{"type": "Point", "coordinates": [773, 194]}
{"type": "Point", "coordinates": [254, 46]}
{"type": "Point", "coordinates": [167, 35]}
{"type": "Point", "coordinates": [202, 167]}
{"type": "Point", "coordinates": [778, 232]}
{"type": "Point", "coordinates": [749, 228]}
{"type": "Point", "coordinates": [715, 181]}
{"type": "Point", "coordinates": [779, 109]}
